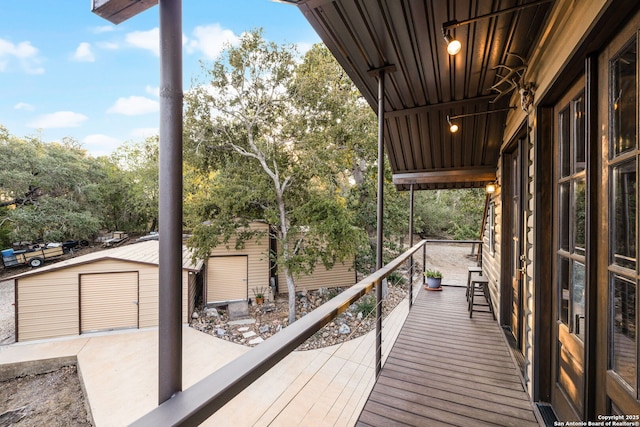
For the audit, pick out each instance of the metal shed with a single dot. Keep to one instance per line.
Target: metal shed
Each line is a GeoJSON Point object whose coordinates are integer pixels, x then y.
{"type": "Point", "coordinates": [101, 291]}
{"type": "Point", "coordinates": [236, 274]}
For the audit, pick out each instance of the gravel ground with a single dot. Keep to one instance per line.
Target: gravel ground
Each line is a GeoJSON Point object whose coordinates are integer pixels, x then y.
{"type": "Point", "coordinates": [7, 312]}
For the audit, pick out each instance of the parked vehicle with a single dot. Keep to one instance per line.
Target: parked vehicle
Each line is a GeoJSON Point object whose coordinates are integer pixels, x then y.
{"type": "Point", "coordinates": [32, 257]}
{"type": "Point", "coordinates": [71, 245]}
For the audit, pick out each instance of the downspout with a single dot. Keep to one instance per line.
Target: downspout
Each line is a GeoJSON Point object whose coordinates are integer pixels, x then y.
{"type": "Point", "coordinates": [380, 213]}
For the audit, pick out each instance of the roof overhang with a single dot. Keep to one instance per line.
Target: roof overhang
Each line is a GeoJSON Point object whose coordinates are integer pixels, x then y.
{"type": "Point", "coordinates": [428, 84]}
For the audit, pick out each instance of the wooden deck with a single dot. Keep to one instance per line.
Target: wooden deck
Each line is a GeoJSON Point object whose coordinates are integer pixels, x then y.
{"type": "Point", "coordinates": [446, 369]}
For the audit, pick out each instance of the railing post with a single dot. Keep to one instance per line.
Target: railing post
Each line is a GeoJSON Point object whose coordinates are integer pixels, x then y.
{"type": "Point", "coordinates": [380, 213]}
{"type": "Point", "coordinates": [411, 245]}
{"type": "Point", "coordinates": [424, 263]}
{"type": "Point", "coordinates": [170, 203]}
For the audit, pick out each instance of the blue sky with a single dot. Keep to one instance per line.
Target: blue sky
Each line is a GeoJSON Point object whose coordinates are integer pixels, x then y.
{"type": "Point", "coordinates": [65, 71]}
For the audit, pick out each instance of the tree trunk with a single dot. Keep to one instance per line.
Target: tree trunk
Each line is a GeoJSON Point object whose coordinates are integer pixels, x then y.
{"type": "Point", "coordinates": [291, 288]}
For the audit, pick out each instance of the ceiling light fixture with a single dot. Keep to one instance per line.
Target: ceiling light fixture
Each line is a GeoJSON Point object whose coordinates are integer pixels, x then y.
{"type": "Point", "coordinates": [453, 127]}
{"type": "Point", "coordinates": [454, 46]}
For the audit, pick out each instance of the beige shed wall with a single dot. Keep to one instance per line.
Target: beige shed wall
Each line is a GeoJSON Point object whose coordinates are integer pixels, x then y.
{"type": "Point", "coordinates": [47, 307]}
{"type": "Point", "coordinates": [257, 251]}
{"type": "Point", "coordinates": [48, 304]}
{"type": "Point", "coordinates": [340, 275]}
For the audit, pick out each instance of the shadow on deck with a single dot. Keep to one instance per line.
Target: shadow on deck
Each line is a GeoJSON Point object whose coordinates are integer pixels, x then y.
{"type": "Point", "coordinates": [447, 369]}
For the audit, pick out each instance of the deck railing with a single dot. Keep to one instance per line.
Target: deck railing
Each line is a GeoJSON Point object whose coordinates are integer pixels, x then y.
{"type": "Point", "coordinates": [197, 403]}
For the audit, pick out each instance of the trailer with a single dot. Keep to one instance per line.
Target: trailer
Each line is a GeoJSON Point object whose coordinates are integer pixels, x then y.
{"type": "Point", "coordinates": [32, 257]}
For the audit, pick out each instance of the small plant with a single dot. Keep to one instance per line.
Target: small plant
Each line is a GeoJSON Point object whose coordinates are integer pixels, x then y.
{"type": "Point", "coordinates": [434, 274]}
{"type": "Point", "coordinates": [259, 292]}
{"type": "Point", "coordinates": [366, 305]}
{"type": "Point", "coordinates": [396, 278]}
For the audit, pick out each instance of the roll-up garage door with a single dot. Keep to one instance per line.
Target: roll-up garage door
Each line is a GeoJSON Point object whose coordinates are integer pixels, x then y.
{"type": "Point", "coordinates": [227, 279]}
{"type": "Point", "coordinates": [108, 301]}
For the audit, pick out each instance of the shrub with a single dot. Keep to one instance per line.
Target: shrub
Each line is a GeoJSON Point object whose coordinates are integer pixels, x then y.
{"type": "Point", "coordinates": [396, 278]}
{"type": "Point", "coordinates": [366, 305]}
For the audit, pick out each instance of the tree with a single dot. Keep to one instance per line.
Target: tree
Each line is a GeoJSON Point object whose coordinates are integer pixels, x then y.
{"type": "Point", "coordinates": [363, 202]}
{"type": "Point", "coordinates": [455, 213]}
{"type": "Point", "coordinates": [267, 153]}
{"type": "Point", "coordinates": [130, 190]}
{"type": "Point", "coordinates": [48, 189]}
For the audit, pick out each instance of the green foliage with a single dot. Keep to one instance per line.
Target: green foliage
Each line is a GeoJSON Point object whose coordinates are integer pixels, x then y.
{"type": "Point", "coordinates": [55, 191]}
{"type": "Point", "coordinates": [397, 279]}
{"type": "Point", "coordinates": [434, 274]}
{"type": "Point", "coordinates": [265, 139]}
{"type": "Point", "coordinates": [362, 200]}
{"type": "Point", "coordinates": [130, 190]}
{"type": "Point", "coordinates": [259, 292]}
{"type": "Point", "coordinates": [48, 190]}
{"type": "Point", "coordinates": [449, 213]}
{"type": "Point", "coordinates": [366, 305]}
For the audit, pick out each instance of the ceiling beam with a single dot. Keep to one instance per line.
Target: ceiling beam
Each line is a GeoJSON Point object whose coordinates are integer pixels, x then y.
{"type": "Point", "coordinates": [441, 106]}
{"type": "Point", "coordinates": [447, 176]}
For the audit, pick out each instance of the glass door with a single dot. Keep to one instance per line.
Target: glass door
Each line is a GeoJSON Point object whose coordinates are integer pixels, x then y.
{"type": "Point", "coordinates": [570, 254]}
{"type": "Point", "coordinates": [621, 274]}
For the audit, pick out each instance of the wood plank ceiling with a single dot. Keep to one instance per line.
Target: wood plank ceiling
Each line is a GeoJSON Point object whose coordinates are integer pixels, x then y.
{"type": "Point", "coordinates": [428, 84]}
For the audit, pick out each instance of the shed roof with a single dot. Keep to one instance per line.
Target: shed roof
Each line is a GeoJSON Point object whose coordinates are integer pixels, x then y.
{"type": "Point", "coordinates": [142, 252]}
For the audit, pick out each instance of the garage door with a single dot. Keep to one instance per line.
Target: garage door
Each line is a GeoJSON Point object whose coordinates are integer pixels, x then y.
{"type": "Point", "coordinates": [108, 301]}
{"type": "Point", "coordinates": [227, 279]}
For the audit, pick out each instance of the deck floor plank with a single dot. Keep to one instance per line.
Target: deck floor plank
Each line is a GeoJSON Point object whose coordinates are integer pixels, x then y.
{"type": "Point", "coordinates": [448, 369]}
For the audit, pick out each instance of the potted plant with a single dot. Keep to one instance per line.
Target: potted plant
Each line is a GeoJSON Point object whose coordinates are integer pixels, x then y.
{"type": "Point", "coordinates": [434, 278]}
{"type": "Point", "coordinates": [259, 299]}
{"type": "Point", "coordinates": [259, 295]}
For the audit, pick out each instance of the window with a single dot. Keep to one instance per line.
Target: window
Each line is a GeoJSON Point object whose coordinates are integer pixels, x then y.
{"type": "Point", "coordinates": [623, 207]}
{"type": "Point", "coordinates": [572, 212]}
{"type": "Point", "coordinates": [492, 228]}
{"type": "Point", "coordinates": [623, 354]}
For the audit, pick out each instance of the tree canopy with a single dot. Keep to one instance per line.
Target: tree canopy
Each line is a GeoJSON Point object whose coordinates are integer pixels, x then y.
{"type": "Point", "coordinates": [271, 138]}
{"type": "Point", "coordinates": [48, 191]}
{"type": "Point", "coordinates": [53, 191]}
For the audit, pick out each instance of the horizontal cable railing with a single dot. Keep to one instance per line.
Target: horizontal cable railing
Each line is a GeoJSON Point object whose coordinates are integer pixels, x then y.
{"type": "Point", "coordinates": [194, 405]}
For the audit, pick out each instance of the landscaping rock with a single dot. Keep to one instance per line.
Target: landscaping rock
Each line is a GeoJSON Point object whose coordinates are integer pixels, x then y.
{"type": "Point", "coordinates": [272, 317]}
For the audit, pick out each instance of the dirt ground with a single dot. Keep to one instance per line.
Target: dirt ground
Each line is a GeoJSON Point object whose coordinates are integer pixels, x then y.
{"type": "Point", "coordinates": [52, 399]}
{"type": "Point", "coordinates": [56, 399]}
{"type": "Point", "coordinates": [7, 312]}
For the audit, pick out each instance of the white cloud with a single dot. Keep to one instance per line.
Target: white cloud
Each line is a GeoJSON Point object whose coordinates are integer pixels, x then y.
{"type": "Point", "coordinates": [60, 119]}
{"type": "Point", "coordinates": [155, 91]}
{"type": "Point", "coordinates": [83, 53]}
{"type": "Point", "coordinates": [134, 105]}
{"type": "Point", "coordinates": [144, 133]}
{"type": "Point", "coordinates": [100, 145]}
{"type": "Point", "coordinates": [24, 52]}
{"type": "Point", "coordinates": [103, 29]}
{"type": "Point", "coordinates": [211, 40]}
{"type": "Point", "coordinates": [24, 106]}
{"type": "Point", "coordinates": [149, 40]}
